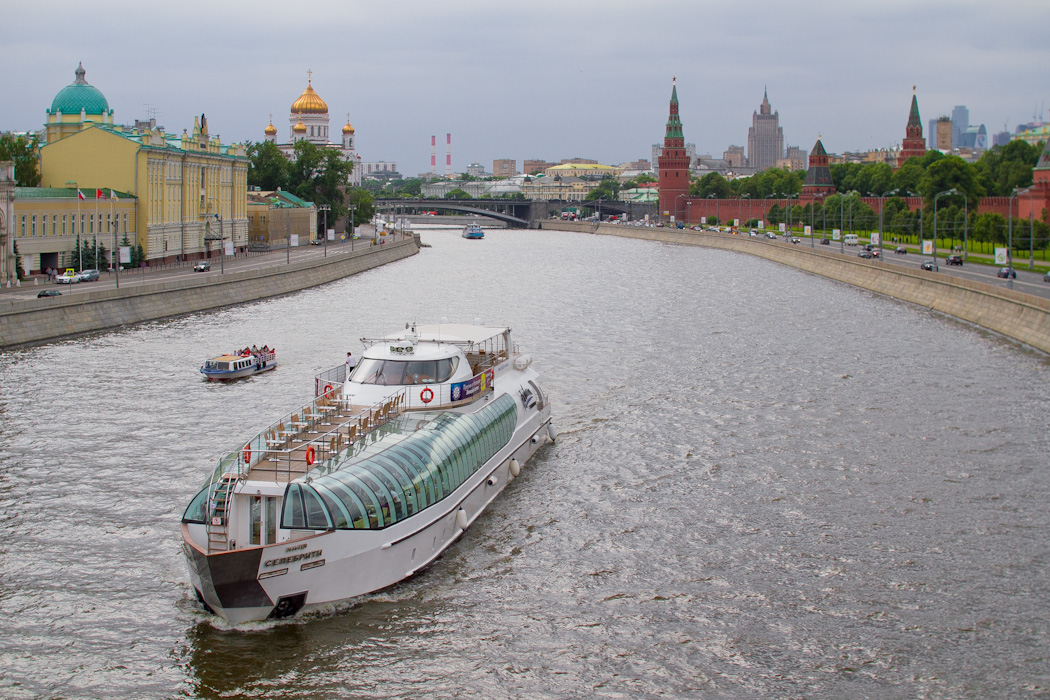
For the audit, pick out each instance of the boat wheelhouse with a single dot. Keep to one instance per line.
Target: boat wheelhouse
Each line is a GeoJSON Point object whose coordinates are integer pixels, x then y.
{"type": "Point", "coordinates": [372, 480]}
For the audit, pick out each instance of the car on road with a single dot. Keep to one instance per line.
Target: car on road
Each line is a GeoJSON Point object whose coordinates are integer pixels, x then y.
{"type": "Point", "coordinates": [825, 241]}
{"type": "Point", "coordinates": [316, 241]}
{"type": "Point", "coordinates": [1007, 273]}
{"type": "Point", "coordinates": [202, 266]}
{"type": "Point", "coordinates": [954, 260]}
{"type": "Point", "coordinates": [88, 275]}
{"type": "Point", "coordinates": [927, 265]}
{"type": "Point", "coordinates": [901, 250]}
{"type": "Point", "coordinates": [67, 277]}
{"type": "Point", "coordinates": [796, 240]}
{"type": "Point", "coordinates": [876, 253]}
{"type": "Point", "coordinates": [1046, 276]}
{"type": "Point", "coordinates": [865, 254]}
{"type": "Point", "coordinates": [49, 293]}
{"type": "Point", "coordinates": [770, 235]}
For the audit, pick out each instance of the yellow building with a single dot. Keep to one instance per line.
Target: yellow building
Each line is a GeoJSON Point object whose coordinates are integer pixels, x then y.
{"type": "Point", "coordinates": [47, 222]}
{"type": "Point", "coordinates": [189, 190]}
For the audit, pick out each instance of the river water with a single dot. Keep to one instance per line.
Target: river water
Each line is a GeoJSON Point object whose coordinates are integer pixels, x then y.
{"type": "Point", "coordinates": [765, 485]}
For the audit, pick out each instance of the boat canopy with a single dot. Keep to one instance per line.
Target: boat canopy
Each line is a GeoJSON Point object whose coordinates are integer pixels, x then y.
{"type": "Point", "coordinates": [403, 472]}
{"type": "Point", "coordinates": [450, 333]}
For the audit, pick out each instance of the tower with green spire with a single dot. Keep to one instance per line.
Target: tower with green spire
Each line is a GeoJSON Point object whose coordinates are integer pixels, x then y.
{"type": "Point", "coordinates": [674, 164]}
{"type": "Point", "coordinates": [914, 144]}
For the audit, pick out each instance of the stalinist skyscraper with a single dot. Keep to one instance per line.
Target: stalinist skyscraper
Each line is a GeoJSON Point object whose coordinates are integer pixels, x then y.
{"type": "Point", "coordinates": [765, 138]}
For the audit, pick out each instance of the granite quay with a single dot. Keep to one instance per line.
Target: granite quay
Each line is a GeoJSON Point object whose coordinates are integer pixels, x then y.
{"type": "Point", "coordinates": [34, 321]}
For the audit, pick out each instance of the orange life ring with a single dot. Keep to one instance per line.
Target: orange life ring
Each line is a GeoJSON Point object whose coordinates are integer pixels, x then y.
{"type": "Point", "coordinates": [310, 455]}
{"type": "Point", "coordinates": [327, 388]}
{"type": "Point", "coordinates": [247, 454]}
{"type": "Point", "coordinates": [426, 396]}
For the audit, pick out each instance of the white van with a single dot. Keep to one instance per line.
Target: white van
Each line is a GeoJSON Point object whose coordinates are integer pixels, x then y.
{"type": "Point", "coordinates": [851, 239]}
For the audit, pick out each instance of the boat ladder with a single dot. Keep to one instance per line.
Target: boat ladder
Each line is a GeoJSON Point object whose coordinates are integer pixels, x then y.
{"type": "Point", "coordinates": [218, 520]}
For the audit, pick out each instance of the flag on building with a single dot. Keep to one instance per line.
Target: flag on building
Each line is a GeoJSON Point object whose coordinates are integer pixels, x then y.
{"type": "Point", "coordinates": [80, 194]}
{"type": "Point", "coordinates": [113, 195]}
{"type": "Point", "coordinates": [98, 194]}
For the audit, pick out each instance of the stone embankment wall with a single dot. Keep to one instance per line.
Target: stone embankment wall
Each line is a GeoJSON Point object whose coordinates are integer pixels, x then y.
{"type": "Point", "coordinates": [29, 322]}
{"type": "Point", "coordinates": [1014, 314]}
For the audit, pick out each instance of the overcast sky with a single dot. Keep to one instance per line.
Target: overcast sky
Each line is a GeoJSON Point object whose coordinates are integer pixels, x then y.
{"type": "Point", "coordinates": [547, 79]}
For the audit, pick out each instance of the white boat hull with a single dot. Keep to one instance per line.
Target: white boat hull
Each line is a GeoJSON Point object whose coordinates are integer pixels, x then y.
{"type": "Point", "coordinates": [317, 570]}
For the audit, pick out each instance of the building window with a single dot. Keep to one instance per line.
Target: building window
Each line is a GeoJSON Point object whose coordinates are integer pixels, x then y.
{"type": "Point", "coordinates": [64, 224]}
{"type": "Point", "coordinates": [33, 230]}
{"type": "Point", "coordinates": [23, 225]}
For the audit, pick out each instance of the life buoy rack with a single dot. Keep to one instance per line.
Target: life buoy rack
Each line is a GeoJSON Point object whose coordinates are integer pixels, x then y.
{"type": "Point", "coordinates": [427, 395]}
{"type": "Point", "coordinates": [247, 454]}
{"type": "Point", "coordinates": [310, 456]}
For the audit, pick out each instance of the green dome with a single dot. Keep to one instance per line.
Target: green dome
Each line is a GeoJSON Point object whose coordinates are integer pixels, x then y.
{"type": "Point", "coordinates": [79, 95]}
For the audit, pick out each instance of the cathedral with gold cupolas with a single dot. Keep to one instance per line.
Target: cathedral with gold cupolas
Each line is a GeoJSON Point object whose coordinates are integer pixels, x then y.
{"type": "Point", "coordinates": [309, 120]}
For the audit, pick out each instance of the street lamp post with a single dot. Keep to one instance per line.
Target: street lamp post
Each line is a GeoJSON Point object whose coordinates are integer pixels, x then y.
{"type": "Point", "coordinates": [353, 226]}
{"type": "Point", "coordinates": [79, 225]}
{"type": "Point", "coordinates": [1010, 232]}
{"type": "Point", "coordinates": [882, 205]}
{"type": "Point", "coordinates": [324, 227]}
{"type": "Point", "coordinates": [935, 198]}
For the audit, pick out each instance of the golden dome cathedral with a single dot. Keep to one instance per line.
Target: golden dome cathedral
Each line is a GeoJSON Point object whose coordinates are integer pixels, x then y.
{"type": "Point", "coordinates": [309, 102]}
{"type": "Point", "coordinates": [299, 128]}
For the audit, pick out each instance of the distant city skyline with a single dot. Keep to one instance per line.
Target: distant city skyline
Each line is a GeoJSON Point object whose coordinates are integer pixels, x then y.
{"type": "Point", "coordinates": [544, 81]}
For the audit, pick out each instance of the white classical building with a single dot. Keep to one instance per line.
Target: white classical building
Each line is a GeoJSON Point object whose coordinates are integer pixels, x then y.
{"type": "Point", "coordinates": [308, 120]}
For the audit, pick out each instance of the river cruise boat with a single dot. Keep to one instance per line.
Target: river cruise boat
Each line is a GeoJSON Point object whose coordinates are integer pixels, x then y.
{"type": "Point", "coordinates": [243, 363]}
{"type": "Point", "coordinates": [371, 480]}
{"type": "Point", "coordinates": [473, 231]}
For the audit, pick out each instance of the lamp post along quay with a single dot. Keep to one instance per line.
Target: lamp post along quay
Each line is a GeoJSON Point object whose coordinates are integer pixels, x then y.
{"type": "Point", "coordinates": [1010, 234]}
{"type": "Point", "coordinates": [935, 198]}
{"type": "Point", "coordinates": [325, 208]}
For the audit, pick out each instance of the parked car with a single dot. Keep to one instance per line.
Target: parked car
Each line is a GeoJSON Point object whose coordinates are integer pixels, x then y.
{"type": "Point", "coordinates": [88, 275]}
{"type": "Point", "coordinates": [1007, 273]}
{"type": "Point", "coordinates": [901, 250]}
{"type": "Point", "coordinates": [954, 260]}
{"type": "Point", "coordinates": [927, 265]}
{"type": "Point", "coordinates": [202, 266]}
{"type": "Point", "coordinates": [49, 293]}
{"type": "Point", "coordinates": [865, 254]}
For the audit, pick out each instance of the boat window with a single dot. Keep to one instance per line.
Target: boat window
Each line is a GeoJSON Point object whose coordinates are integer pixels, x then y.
{"type": "Point", "coordinates": [397, 372]}
{"type": "Point", "coordinates": [197, 510]}
{"type": "Point", "coordinates": [304, 509]}
{"type": "Point", "coordinates": [387, 484]}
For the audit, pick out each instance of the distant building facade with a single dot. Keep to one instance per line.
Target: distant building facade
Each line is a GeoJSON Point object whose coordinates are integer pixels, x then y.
{"type": "Point", "coordinates": [765, 138]}
{"type": "Point", "coordinates": [504, 167]}
{"type": "Point", "coordinates": [734, 157]}
{"type": "Point", "coordinates": [944, 134]}
{"type": "Point", "coordinates": [535, 166]}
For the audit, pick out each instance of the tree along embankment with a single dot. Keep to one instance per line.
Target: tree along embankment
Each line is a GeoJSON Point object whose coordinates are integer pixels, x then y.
{"type": "Point", "coordinates": [40, 320]}
{"type": "Point", "coordinates": [1022, 317]}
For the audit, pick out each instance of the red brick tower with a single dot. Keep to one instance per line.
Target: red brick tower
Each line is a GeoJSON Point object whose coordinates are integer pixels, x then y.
{"type": "Point", "coordinates": [914, 143]}
{"type": "Point", "coordinates": [818, 182]}
{"type": "Point", "coordinates": [674, 164]}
